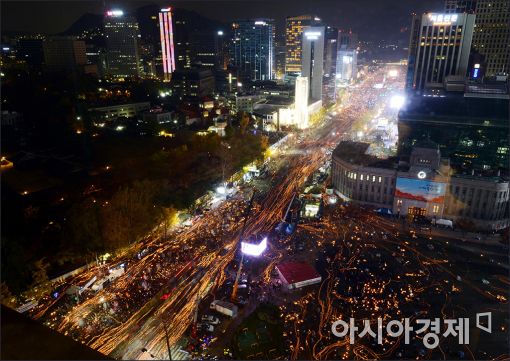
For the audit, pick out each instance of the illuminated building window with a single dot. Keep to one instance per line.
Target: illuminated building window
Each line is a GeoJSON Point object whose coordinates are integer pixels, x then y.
{"type": "Point", "coordinates": [435, 209]}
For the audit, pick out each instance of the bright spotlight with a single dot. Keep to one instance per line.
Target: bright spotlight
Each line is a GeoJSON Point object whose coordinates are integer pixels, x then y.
{"type": "Point", "coordinates": [393, 73]}
{"type": "Point", "coordinates": [221, 190]}
{"type": "Point", "coordinates": [397, 101]}
{"type": "Point", "coordinates": [251, 249]}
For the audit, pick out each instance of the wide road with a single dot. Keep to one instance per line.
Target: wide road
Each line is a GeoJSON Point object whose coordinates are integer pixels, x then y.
{"type": "Point", "coordinates": [129, 315]}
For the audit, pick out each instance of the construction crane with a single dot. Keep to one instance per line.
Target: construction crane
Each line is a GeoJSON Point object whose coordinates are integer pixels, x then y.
{"type": "Point", "coordinates": [233, 297]}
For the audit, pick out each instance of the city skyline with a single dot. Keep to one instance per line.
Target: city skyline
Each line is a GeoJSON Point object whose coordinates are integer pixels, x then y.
{"type": "Point", "coordinates": [245, 180]}
{"type": "Point", "coordinates": [346, 16]}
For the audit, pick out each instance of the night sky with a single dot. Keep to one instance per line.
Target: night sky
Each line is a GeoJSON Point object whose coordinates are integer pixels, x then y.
{"type": "Point", "coordinates": [372, 19]}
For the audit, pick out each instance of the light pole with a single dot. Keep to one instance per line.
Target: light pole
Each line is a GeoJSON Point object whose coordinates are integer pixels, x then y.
{"type": "Point", "coordinates": [167, 341]}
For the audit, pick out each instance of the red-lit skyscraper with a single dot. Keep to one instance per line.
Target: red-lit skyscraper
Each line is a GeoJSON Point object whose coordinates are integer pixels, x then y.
{"type": "Point", "coordinates": [167, 42]}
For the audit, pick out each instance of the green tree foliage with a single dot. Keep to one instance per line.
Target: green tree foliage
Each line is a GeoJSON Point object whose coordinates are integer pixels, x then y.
{"type": "Point", "coordinates": [244, 122]}
{"type": "Point", "coordinates": [40, 274]}
{"type": "Point", "coordinates": [14, 265]}
{"type": "Point", "coordinates": [130, 214]}
{"type": "Point", "coordinates": [318, 116]}
{"type": "Point", "coordinates": [6, 297]}
{"type": "Point", "coordinates": [83, 229]}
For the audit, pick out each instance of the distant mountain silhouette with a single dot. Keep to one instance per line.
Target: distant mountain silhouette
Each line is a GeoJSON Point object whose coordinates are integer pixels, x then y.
{"type": "Point", "coordinates": [85, 22]}
{"type": "Point", "coordinates": [148, 25]}
{"type": "Point", "coordinates": [194, 21]}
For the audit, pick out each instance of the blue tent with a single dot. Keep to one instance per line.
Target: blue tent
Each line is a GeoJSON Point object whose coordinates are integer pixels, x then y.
{"type": "Point", "coordinates": [384, 211]}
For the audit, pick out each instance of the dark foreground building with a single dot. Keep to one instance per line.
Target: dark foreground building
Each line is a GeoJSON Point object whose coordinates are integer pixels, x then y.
{"type": "Point", "coordinates": [26, 339]}
{"type": "Point", "coordinates": [471, 131]}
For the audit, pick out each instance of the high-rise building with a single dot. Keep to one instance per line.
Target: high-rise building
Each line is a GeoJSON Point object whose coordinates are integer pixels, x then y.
{"type": "Point", "coordinates": [221, 50]}
{"type": "Point", "coordinates": [96, 55]}
{"type": "Point", "coordinates": [193, 83]}
{"type": "Point", "coordinates": [439, 47]}
{"type": "Point", "coordinates": [182, 45]}
{"type": "Point", "coordinates": [491, 37]}
{"type": "Point", "coordinates": [347, 58]}
{"type": "Point", "coordinates": [30, 50]}
{"type": "Point", "coordinates": [253, 48]}
{"type": "Point", "coordinates": [203, 49]}
{"type": "Point", "coordinates": [460, 6]}
{"type": "Point", "coordinates": [346, 66]}
{"type": "Point", "coordinates": [293, 40]}
{"type": "Point", "coordinates": [312, 61]}
{"type": "Point", "coordinates": [330, 54]}
{"type": "Point", "coordinates": [64, 53]}
{"type": "Point", "coordinates": [471, 130]}
{"type": "Point", "coordinates": [301, 116]}
{"type": "Point", "coordinates": [280, 51]}
{"type": "Point", "coordinates": [122, 41]}
{"type": "Point", "coordinates": [347, 40]}
{"type": "Point", "coordinates": [167, 42]}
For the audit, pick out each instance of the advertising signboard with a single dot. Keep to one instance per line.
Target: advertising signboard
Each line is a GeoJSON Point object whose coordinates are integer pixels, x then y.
{"type": "Point", "coordinates": [420, 190]}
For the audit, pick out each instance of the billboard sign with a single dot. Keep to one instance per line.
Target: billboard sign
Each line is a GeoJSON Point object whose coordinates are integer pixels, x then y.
{"type": "Point", "coordinates": [252, 249]}
{"type": "Point", "coordinates": [420, 190]}
{"type": "Point", "coordinates": [311, 210]}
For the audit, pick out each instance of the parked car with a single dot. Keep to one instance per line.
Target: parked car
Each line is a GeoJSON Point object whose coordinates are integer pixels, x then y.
{"type": "Point", "coordinates": [206, 327]}
{"type": "Point", "coordinates": [210, 319]}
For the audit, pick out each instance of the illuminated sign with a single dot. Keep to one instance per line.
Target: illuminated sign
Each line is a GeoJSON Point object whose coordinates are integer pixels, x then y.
{"type": "Point", "coordinates": [260, 23]}
{"type": "Point", "coordinates": [313, 35]}
{"type": "Point", "coordinates": [476, 70]}
{"type": "Point", "coordinates": [421, 174]}
{"type": "Point", "coordinates": [251, 249]}
{"type": "Point", "coordinates": [420, 190]}
{"type": "Point", "coordinates": [167, 41]}
{"type": "Point", "coordinates": [311, 210]}
{"type": "Point", "coordinates": [393, 73]}
{"type": "Point", "coordinates": [115, 13]}
{"type": "Point", "coordinates": [439, 19]}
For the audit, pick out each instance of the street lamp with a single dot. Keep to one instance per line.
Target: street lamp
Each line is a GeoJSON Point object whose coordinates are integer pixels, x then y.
{"type": "Point", "coordinates": [167, 341]}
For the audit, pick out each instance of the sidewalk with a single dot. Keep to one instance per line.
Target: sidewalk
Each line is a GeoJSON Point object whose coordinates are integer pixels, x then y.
{"type": "Point", "coordinates": [469, 237]}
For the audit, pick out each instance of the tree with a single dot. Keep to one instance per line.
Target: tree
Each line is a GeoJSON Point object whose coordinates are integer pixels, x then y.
{"type": "Point", "coordinates": [130, 214]}
{"type": "Point", "coordinates": [169, 218]}
{"type": "Point", "coordinates": [6, 298]}
{"type": "Point", "coordinates": [224, 153]}
{"type": "Point", "coordinates": [244, 122]}
{"type": "Point", "coordinates": [40, 274]}
{"type": "Point", "coordinates": [83, 229]}
{"type": "Point", "coordinates": [14, 264]}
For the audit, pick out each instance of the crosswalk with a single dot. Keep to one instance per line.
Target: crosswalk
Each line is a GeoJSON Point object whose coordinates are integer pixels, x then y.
{"type": "Point", "coordinates": [179, 354]}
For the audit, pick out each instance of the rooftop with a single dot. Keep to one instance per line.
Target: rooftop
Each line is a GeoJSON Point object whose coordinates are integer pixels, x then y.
{"type": "Point", "coordinates": [295, 272]}
{"type": "Point", "coordinates": [356, 153]}
{"type": "Point", "coordinates": [26, 339]}
{"type": "Point", "coordinates": [456, 106]}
